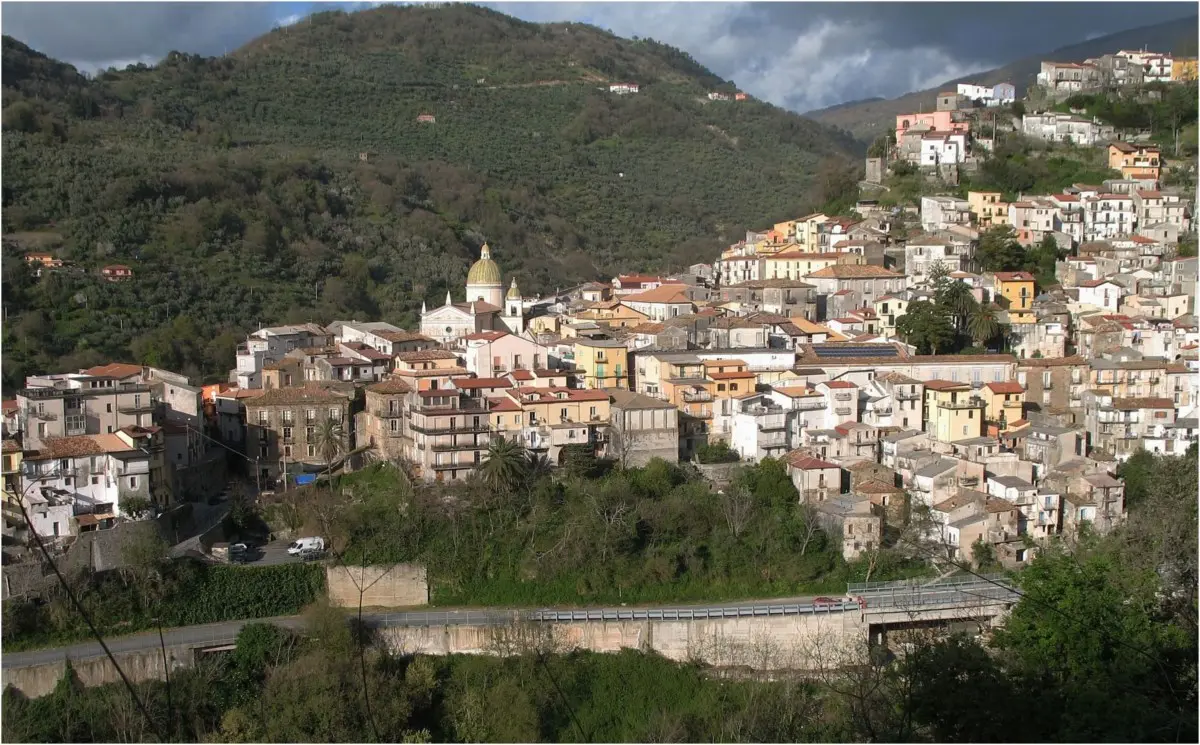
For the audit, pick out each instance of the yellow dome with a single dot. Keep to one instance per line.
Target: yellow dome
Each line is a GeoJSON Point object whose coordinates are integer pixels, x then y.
{"type": "Point", "coordinates": [513, 292]}
{"type": "Point", "coordinates": [485, 271]}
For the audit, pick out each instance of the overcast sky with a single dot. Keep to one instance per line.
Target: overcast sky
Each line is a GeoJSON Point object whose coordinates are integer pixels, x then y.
{"type": "Point", "coordinates": [799, 55]}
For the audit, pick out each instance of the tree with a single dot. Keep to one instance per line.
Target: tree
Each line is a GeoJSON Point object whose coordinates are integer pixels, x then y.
{"type": "Point", "coordinates": [330, 439]}
{"type": "Point", "coordinates": [982, 325]}
{"type": "Point", "coordinates": [926, 326]}
{"type": "Point", "coordinates": [956, 298]}
{"type": "Point", "coordinates": [505, 465]}
{"type": "Point", "coordinates": [1000, 251]}
{"type": "Point", "coordinates": [737, 505]}
{"type": "Point", "coordinates": [537, 466]}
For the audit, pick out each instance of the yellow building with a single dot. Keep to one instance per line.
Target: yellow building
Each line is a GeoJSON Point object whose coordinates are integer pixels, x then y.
{"type": "Point", "coordinates": [1014, 292]}
{"type": "Point", "coordinates": [684, 384]}
{"type": "Point", "coordinates": [953, 412]}
{"type": "Point", "coordinates": [795, 264]}
{"type": "Point", "coordinates": [12, 483]}
{"type": "Point", "coordinates": [1183, 69]}
{"type": "Point", "coordinates": [1004, 405]}
{"type": "Point", "coordinates": [889, 308]}
{"type": "Point", "coordinates": [604, 363]}
{"type": "Point", "coordinates": [1135, 161]}
{"type": "Point", "coordinates": [988, 208]}
{"type": "Point", "coordinates": [612, 313]}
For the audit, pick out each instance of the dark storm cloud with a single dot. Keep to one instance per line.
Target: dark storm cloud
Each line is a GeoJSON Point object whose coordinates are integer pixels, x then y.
{"type": "Point", "coordinates": [799, 55]}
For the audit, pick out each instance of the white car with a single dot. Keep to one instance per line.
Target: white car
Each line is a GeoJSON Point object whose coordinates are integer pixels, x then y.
{"type": "Point", "coordinates": [302, 544]}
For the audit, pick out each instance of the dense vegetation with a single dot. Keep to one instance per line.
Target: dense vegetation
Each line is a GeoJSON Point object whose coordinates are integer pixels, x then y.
{"type": "Point", "coordinates": [234, 186]}
{"type": "Point", "coordinates": [179, 593]}
{"type": "Point", "coordinates": [1102, 648]}
{"type": "Point", "coordinates": [516, 537]}
{"type": "Point", "coordinates": [1170, 116]}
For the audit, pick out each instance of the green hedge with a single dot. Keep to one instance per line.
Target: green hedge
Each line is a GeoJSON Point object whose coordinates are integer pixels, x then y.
{"type": "Point", "coordinates": [184, 593]}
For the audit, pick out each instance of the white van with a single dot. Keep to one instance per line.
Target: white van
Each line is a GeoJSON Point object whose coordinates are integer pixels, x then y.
{"type": "Point", "coordinates": [303, 544]}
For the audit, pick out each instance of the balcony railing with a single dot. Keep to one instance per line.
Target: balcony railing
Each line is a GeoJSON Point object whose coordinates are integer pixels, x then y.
{"type": "Point", "coordinates": [454, 465]}
{"type": "Point", "coordinates": [382, 412]}
{"type": "Point", "coordinates": [842, 396]}
{"type": "Point", "coordinates": [697, 396]}
{"type": "Point", "coordinates": [809, 405]}
{"type": "Point", "coordinates": [448, 446]}
{"type": "Point", "coordinates": [843, 411]}
{"type": "Point", "coordinates": [468, 429]}
{"type": "Point", "coordinates": [907, 395]}
{"type": "Point", "coordinates": [138, 407]}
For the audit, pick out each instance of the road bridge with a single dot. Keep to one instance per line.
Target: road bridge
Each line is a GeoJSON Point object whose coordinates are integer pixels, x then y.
{"type": "Point", "coordinates": [796, 633]}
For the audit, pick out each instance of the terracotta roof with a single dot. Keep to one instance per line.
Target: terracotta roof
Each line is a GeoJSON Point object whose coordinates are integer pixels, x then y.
{"type": "Point", "coordinates": [117, 370]}
{"type": "Point", "coordinates": [308, 394]}
{"type": "Point", "coordinates": [840, 384]}
{"type": "Point", "coordinates": [944, 385]}
{"type": "Point", "coordinates": [9, 404]}
{"type": "Point", "coordinates": [854, 271]}
{"type": "Point", "coordinates": [1013, 276]}
{"type": "Point", "coordinates": [426, 355]}
{"type": "Point", "coordinates": [795, 391]}
{"type": "Point", "coordinates": [672, 293]}
{"type": "Point", "coordinates": [875, 486]}
{"type": "Point", "coordinates": [503, 403]}
{"type": "Point", "coordinates": [803, 462]}
{"type": "Point", "coordinates": [521, 375]}
{"type": "Point", "coordinates": [993, 505]}
{"type": "Point", "coordinates": [1009, 387]}
{"type": "Point", "coordinates": [68, 447]}
{"type": "Point", "coordinates": [731, 375]}
{"type": "Point", "coordinates": [1096, 282]}
{"type": "Point", "coordinates": [547, 395]}
{"type": "Point", "coordinates": [390, 386]}
{"type": "Point", "coordinates": [11, 446]}
{"type": "Point", "coordinates": [402, 336]}
{"type": "Point", "coordinates": [1130, 404]}
{"type": "Point", "coordinates": [480, 307]}
{"type": "Point", "coordinates": [467, 384]}
{"type": "Point", "coordinates": [487, 335]}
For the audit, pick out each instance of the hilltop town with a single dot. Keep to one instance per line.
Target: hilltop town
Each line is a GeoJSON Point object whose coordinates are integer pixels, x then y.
{"type": "Point", "coordinates": [987, 362]}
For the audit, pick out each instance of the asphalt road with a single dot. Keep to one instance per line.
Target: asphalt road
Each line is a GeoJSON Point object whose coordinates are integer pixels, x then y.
{"type": "Point", "coordinates": [904, 597]}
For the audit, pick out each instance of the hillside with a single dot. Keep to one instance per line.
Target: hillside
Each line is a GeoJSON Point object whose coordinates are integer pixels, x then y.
{"type": "Point", "coordinates": [291, 180]}
{"type": "Point", "coordinates": [866, 119]}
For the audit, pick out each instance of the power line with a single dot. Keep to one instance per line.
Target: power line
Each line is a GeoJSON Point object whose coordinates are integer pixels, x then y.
{"type": "Point", "coordinates": [91, 626]}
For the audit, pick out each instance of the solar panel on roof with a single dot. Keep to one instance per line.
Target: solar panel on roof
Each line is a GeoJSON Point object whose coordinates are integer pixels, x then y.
{"type": "Point", "coordinates": [878, 350]}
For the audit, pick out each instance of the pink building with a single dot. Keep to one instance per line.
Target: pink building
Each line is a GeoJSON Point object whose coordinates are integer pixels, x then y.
{"type": "Point", "coordinates": [939, 121]}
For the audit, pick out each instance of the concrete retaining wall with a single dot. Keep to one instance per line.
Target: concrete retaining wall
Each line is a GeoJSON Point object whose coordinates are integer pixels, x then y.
{"type": "Point", "coordinates": [800, 642]}
{"type": "Point", "coordinates": [40, 680]}
{"type": "Point", "coordinates": [384, 586]}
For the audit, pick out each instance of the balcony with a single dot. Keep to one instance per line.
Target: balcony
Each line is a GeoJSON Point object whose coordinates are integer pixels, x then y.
{"type": "Point", "coordinates": [136, 407]}
{"type": "Point", "coordinates": [439, 447]}
{"type": "Point", "coordinates": [969, 404]}
{"type": "Point", "coordinates": [843, 411]}
{"type": "Point", "coordinates": [134, 468]}
{"type": "Point", "coordinates": [468, 429]}
{"type": "Point", "coordinates": [379, 412]}
{"type": "Point", "coordinates": [46, 416]}
{"type": "Point", "coordinates": [697, 396]}
{"type": "Point", "coordinates": [907, 395]}
{"type": "Point", "coordinates": [884, 411]}
{"type": "Point", "coordinates": [454, 465]}
{"type": "Point", "coordinates": [842, 396]}
{"type": "Point", "coordinates": [809, 404]}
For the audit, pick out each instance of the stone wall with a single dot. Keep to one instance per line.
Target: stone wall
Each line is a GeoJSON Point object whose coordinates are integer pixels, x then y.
{"type": "Point", "coordinates": [384, 586]}
{"type": "Point", "coordinates": [812, 641]}
{"type": "Point", "coordinates": [39, 680]}
{"type": "Point", "coordinates": [720, 475]}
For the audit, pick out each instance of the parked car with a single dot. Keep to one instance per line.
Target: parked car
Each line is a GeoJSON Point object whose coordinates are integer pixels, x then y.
{"type": "Point", "coordinates": [311, 554]}
{"type": "Point", "coordinates": [303, 544]}
{"type": "Point", "coordinates": [823, 601]}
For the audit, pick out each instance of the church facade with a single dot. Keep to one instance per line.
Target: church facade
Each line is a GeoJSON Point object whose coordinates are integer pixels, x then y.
{"type": "Point", "coordinates": [487, 306]}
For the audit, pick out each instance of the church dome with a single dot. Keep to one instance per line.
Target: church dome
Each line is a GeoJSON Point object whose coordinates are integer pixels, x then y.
{"type": "Point", "coordinates": [485, 271]}
{"type": "Point", "coordinates": [513, 292]}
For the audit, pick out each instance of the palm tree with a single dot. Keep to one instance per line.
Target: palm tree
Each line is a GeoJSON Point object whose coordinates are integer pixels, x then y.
{"type": "Point", "coordinates": [330, 441]}
{"type": "Point", "coordinates": [537, 466]}
{"type": "Point", "coordinates": [957, 299]}
{"type": "Point", "coordinates": [982, 325]}
{"type": "Point", "coordinates": [505, 464]}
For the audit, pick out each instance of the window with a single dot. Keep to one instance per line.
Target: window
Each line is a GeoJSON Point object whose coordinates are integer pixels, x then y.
{"type": "Point", "coordinates": [108, 409]}
{"type": "Point", "coordinates": [592, 412]}
{"type": "Point", "coordinates": [262, 416]}
{"type": "Point", "coordinates": [335, 414]}
{"type": "Point", "coordinates": [133, 482]}
{"type": "Point", "coordinates": [287, 451]}
{"type": "Point", "coordinates": [733, 386]}
{"type": "Point", "coordinates": [312, 451]}
{"type": "Point", "coordinates": [287, 434]}
{"type": "Point", "coordinates": [720, 386]}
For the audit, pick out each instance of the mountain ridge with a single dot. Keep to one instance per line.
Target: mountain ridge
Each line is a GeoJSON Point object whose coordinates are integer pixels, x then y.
{"type": "Point", "coordinates": [296, 178]}
{"type": "Point", "coordinates": [867, 119]}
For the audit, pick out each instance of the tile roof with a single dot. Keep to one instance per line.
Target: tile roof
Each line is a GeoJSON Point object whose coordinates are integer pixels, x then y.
{"type": "Point", "coordinates": [117, 370]}
{"type": "Point", "coordinates": [672, 293]}
{"type": "Point", "coordinates": [502, 403]}
{"type": "Point", "coordinates": [390, 386]}
{"type": "Point", "coordinates": [854, 271]}
{"type": "Point", "coordinates": [839, 384]}
{"type": "Point", "coordinates": [426, 355]}
{"type": "Point", "coordinates": [1008, 387]}
{"type": "Point", "coordinates": [1013, 276]}
{"type": "Point", "coordinates": [944, 385]}
{"type": "Point", "coordinates": [804, 462]}
{"type": "Point", "coordinates": [467, 384]}
{"type": "Point", "coordinates": [1130, 404]}
{"type": "Point", "coordinates": [487, 335]}
{"type": "Point", "coordinates": [307, 394]}
{"type": "Point", "coordinates": [731, 375]}
{"type": "Point", "coordinates": [402, 336]}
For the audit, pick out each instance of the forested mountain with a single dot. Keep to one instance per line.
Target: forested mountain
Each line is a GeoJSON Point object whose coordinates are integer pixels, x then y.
{"type": "Point", "coordinates": [869, 118]}
{"type": "Point", "coordinates": [290, 180]}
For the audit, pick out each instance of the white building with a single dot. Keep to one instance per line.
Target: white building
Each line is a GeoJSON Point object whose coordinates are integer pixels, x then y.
{"type": "Point", "coordinates": [1101, 293]}
{"type": "Point", "coordinates": [98, 476]}
{"type": "Point", "coordinates": [271, 344]}
{"type": "Point", "coordinates": [942, 147]}
{"type": "Point", "coordinates": [940, 212]}
{"type": "Point", "coordinates": [760, 428]}
{"type": "Point", "coordinates": [1053, 126]}
{"type": "Point", "coordinates": [1107, 216]}
{"type": "Point", "coordinates": [622, 89]}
